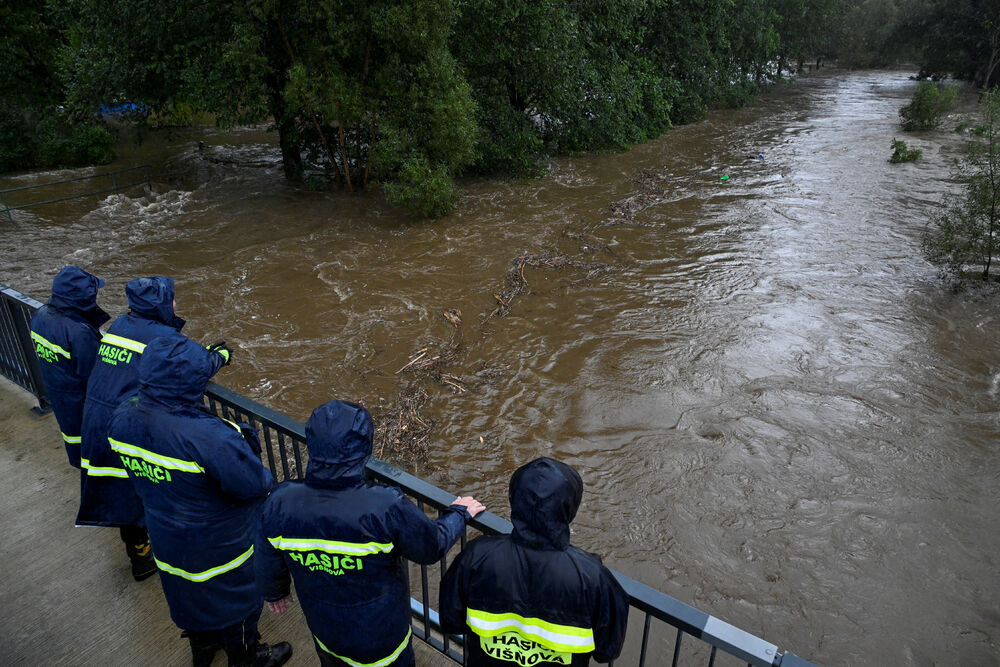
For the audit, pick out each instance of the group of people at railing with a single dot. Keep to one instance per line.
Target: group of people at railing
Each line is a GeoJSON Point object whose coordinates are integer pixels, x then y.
{"type": "Point", "coordinates": [193, 501]}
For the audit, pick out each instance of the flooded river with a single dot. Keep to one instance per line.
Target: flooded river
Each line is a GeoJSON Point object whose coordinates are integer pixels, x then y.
{"type": "Point", "coordinates": [781, 414]}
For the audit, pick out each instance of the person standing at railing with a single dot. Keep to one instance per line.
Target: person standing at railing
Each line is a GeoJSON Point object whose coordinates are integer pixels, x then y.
{"type": "Point", "coordinates": [346, 541]}
{"type": "Point", "coordinates": [106, 496]}
{"type": "Point", "coordinates": [531, 597]}
{"type": "Point", "coordinates": [201, 482]}
{"type": "Point", "coordinates": [66, 335]}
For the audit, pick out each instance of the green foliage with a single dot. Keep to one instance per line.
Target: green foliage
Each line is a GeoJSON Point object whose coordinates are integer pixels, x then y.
{"type": "Point", "coordinates": [410, 94]}
{"type": "Point", "coordinates": [902, 153]}
{"type": "Point", "coordinates": [42, 140]}
{"type": "Point", "coordinates": [960, 38]}
{"type": "Point", "coordinates": [967, 236]}
{"type": "Point", "coordinates": [929, 103]}
{"type": "Point", "coordinates": [35, 129]}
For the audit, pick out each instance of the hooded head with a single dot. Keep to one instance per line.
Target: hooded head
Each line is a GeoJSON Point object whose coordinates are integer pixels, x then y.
{"type": "Point", "coordinates": [544, 497]}
{"type": "Point", "coordinates": [339, 437]}
{"type": "Point", "coordinates": [175, 370]}
{"type": "Point", "coordinates": [74, 289]}
{"type": "Point", "coordinates": [154, 298]}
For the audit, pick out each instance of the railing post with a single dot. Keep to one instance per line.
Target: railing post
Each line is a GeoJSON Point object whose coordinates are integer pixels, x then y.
{"type": "Point", "coordinates": [114, 181]}
{"type": "Point", "coordinates": [6, 206]}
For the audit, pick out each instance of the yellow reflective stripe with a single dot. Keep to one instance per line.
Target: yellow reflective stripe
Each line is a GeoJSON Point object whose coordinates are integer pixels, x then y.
{"type": "Point", "coordinates": [71, 439]}
{"type": "Point", "coordinates": [95, 471]}
{"type": "Point", "coordinates": [329, 546]}
{"type": "Point", "coordinates": [152, 457]}
{"type": "Point", "coordinates": [566, 638]}
{"type": "Point", "coordinates": [233, 424]}
{"type": "Point", "coordinates": [49, 344]}
{"type": "Point", "coordinates": [127, 343]}
{"type": "Point", "coordinates": [378, 663]}
{"type": "Point", "coordinates": [207, 574]}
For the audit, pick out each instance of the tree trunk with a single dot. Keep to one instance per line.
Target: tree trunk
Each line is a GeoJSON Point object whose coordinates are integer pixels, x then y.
{"type": "Point", "coordinates": [291, 152]}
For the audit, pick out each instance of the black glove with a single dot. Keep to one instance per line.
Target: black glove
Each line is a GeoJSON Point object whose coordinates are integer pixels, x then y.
{"type": "Point", "coordinates": [222, 349]}
{"type": "Point", "coordinates": [250, 435]}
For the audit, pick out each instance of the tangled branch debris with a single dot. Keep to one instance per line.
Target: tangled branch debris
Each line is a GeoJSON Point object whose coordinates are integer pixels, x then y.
{"type": "Point", "coordinates": [400, 431]}
{"type": "Point", "coordinates": [425, 360]}
{"type": "Point", "coordinates": [517, 284]}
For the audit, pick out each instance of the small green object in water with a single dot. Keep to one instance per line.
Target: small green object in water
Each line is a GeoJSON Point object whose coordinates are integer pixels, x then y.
{"type": "Point", "coordinates": [725, 178]}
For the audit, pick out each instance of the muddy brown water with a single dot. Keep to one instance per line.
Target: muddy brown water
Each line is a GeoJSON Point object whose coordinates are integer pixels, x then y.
{"type": "Point", "coordinates": [781, 414]}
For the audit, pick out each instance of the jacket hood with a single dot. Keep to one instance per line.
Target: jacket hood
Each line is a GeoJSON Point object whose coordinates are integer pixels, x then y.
{"type": "Point", "coordinates": [73, 289]}
{"type": "Point", "coordinates": [544, 497]}
{"type": "Point", "coordinates": [339, 438]}
{"type": "Point", "coordinates": [154, 298]}
{"type": "Point", "coordinates": [175, 370]}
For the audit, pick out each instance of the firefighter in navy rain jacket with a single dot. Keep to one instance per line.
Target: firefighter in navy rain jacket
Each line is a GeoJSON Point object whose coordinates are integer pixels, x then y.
{"type": "Point", "coordinates": [66, 336]}
{"type": "Point", "coordinates": [344, 539]}
{"type": "Point", "coordinates": [201, 483]}
{"type": "Point", "coordinates": [107, 497]}
{"type": "Point", "coordinates": [530, 597]}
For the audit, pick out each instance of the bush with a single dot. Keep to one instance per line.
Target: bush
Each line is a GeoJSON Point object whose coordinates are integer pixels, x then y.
{"type": "Point", "coordinates": [900, 152]}
{"type": "Point", "coordinates": [17, 145]}
{"type": "Point", "coordinates": [929, 103]}
{"type": "Point", "coordinates": [31, 140]}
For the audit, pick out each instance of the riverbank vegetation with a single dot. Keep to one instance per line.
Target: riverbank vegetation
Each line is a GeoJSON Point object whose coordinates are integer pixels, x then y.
{"type": "Point", "coordinates": [965, 240]}
{"type": "Point", "coordinates": [408, 95]}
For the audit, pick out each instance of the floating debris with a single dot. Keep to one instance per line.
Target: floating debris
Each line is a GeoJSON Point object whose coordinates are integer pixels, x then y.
{"type": "Point", "coordinates": [400, 431]}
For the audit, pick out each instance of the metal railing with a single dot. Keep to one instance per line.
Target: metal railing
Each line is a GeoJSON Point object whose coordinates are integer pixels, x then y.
{"type": "Point", "coordinates": [18, 361]}
{"type": "Point", "coordinates": [115, 186]}
{"type": "Point", "coordinates": [284, 451]}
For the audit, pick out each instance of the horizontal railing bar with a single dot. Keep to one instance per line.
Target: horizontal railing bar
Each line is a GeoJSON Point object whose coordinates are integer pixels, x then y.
{"type": "Point", "coordinates": [17, 296]}
{"type": "Point", "coordinates": [73, 180]}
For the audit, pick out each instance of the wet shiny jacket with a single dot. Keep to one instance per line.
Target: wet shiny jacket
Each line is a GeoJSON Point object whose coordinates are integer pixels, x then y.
{"type": "Point", "coordinates": [107, 497]}
{"type": "Point", "coordinates": [201, 484]}
{"type": "Point", "coordinates": [66, 337]}
{"type": "Point", "coordinates": [344, 539]}
{"type": "Point", "coordinates": [531, 596]}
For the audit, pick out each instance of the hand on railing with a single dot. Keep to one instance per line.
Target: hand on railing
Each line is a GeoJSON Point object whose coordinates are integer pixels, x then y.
{"type": "Point", "coordinates": [471, 505]}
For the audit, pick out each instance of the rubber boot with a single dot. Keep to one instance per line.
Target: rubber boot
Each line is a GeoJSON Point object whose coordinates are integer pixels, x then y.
{"type": "Point", "coordinates": [262, 655]}
{"type": "Point", "coordinates": [141, 555]}
{"type": "Point", "coordinates": [202, 649]}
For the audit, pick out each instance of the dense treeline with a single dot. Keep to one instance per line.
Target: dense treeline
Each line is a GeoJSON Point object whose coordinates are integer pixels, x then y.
{"type": "Point", "coordinates": [410, 94]}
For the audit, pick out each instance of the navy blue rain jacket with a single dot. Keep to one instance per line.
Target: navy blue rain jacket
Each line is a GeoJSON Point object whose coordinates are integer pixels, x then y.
{"type": "Point", "coordinates": [201, 485]}
{"type": "Point", "coordinates": [530, 597]}
{"type": "Point", "coordinates": [66, 336]}
{"type": "Point", "coordinates": [107, 497]}
{"type": "Point", "coordinates": [344, 539]}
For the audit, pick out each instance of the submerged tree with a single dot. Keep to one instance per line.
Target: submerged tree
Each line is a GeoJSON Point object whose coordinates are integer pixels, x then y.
{"type": "Point", "coordinates": [363, 91]}
{"type": "Point", "coordinates": [966, 238]}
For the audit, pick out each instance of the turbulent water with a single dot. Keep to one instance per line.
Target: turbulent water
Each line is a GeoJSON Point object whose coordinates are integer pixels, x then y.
{"type": "Point", "coordinates": [781, 413]}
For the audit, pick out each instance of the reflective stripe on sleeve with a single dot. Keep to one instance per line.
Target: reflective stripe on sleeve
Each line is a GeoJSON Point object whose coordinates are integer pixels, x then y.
{"type": "Point", "coordinates": [207, 574]}
{"type": "Point", "coordinates": [388, 660]}
{"type": "Point", "coordinates": [566, 638]}
{"type": "Point", "coordinates": [233, 424]}
{"type": "Point", "coordinates": [152, 457]}
{"type": "Point", "coordinates": [329, 546]}
{"type": "Point", "coordinates": [71, 439]}
{"type": "Point", "coordinates": [49, 344]}
{"type": "Point", "coordinates": [127, 343]}
{"type": "Point", "coordinates": [96, 471]}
